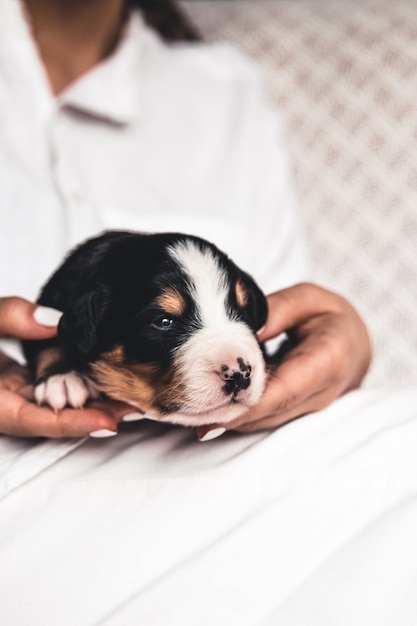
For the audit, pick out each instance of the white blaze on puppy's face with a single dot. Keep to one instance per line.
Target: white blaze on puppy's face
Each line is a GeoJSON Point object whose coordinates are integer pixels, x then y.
{"type": "Point", "coordinates": [221, 365]}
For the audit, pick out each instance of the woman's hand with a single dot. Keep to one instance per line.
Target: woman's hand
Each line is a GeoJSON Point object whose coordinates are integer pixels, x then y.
{"type": "Point", "coordinates": [19, 415]}
{"type": "Point", "coordinates": [331, 356]}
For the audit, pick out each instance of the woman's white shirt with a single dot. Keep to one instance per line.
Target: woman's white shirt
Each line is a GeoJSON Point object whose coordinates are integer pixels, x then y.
{"type": "Point", "coordinates": [156, 137]}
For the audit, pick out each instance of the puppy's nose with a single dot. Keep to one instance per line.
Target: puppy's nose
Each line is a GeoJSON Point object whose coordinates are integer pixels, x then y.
{"type": "Point", "coordinates": [236, 377]}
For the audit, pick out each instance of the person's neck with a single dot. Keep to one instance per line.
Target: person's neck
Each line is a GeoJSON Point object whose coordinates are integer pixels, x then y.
{"type": "Point", "coordinates": [74, 35]}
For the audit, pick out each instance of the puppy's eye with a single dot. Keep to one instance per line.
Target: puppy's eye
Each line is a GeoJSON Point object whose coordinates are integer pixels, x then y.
{"type": "Point", "coordinates": [163, 322]}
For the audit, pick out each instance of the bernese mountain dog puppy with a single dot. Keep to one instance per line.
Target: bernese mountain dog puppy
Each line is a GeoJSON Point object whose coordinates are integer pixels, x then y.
{"type": "Point", "coordinates": [165, 322]}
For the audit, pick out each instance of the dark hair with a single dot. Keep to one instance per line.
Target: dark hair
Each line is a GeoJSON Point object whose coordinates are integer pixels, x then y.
{"type": "Point", "coordinates": [167, 18]}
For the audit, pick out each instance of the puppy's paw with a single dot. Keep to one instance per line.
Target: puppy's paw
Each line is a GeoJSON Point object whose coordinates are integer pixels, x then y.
{"type": "Point", "coordinates": [60, 390]}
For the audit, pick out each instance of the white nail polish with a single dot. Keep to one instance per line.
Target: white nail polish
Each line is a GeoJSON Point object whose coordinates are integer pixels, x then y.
{"type": "Point", "coordinates": [46, 316]}
{"type": "Point", "coordinates": [104, 432]}
{"type": "Point", "coordinates": [213, 434]}
{"type": "Point", "coordinates": [133, 417]}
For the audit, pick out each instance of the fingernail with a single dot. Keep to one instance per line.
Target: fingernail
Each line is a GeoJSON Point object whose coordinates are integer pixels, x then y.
{"type": "Point", "coordinates": [132, 417]}
{"type": "Point", "coordinates": [213, 434]}
{"type": "Point", "coordinates": [104, 432]}
{"type": "Point", "coordinates": [261, 330]}
{"type": "Point", "coordinates": [46, 316]}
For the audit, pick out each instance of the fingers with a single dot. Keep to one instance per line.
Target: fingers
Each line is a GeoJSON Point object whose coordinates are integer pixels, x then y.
{"type": "Point", "coordinates": [21, 418]}
{"type": "Point", "coordinates": [22, 319]}
{"type": "Point", "coordinates": [291, 307]}
{"type": "Point", "coordinates": [331, 356]}
{"type": "Point", "coordinates": [333, 342]}
{"type": "Point", "coordinates": [295, 388]}
{"type": "Point", "coordinates": [300, 385]}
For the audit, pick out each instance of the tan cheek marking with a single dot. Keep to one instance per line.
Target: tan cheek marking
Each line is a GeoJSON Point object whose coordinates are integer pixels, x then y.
{"type": "Point", "coordinates": [241, 294]}
{"type": "Point", "coordinates": [113, 377]}
{"type": "Point", "coordinates": [172, 302]}
{"type": "Point", "coordinates": [139, 384]}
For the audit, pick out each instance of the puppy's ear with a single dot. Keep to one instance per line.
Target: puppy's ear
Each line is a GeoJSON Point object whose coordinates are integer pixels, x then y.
{"type": "Point", "coordinates": [79, 324]}
{"type": "Point", "coordinates": [251, 301]}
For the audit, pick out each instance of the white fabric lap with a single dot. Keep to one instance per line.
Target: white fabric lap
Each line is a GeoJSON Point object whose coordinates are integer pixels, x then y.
{"type": "Point", "coordinates": [153, 525]}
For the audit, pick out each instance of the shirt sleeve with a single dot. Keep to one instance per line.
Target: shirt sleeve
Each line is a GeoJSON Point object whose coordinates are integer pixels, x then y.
{"type": "Point", "coordinates": [275, 251]}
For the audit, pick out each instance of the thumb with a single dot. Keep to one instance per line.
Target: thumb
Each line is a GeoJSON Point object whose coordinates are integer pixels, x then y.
{"type": "Point", "coordinates": [295, 305]}
{"type": "Point", "coordinates": [22, 319]}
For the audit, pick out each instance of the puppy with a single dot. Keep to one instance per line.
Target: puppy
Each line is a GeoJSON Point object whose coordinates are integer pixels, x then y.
{"type": "Point", "coordinates": [165, 322]}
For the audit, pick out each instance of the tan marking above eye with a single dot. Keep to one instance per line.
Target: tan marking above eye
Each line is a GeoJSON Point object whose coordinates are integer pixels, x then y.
{"type": "Point", "coordinates": [241, 294]}
{"type": "Point", "coordinates": [172, 302]}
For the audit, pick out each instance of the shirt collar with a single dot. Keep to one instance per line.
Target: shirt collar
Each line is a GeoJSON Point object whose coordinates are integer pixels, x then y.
{"type": "Point", "coordinates": [110, 90]}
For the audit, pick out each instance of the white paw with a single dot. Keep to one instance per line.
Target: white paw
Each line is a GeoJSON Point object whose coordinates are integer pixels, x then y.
{"type": "Point", "coordinates": [69, 389]}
